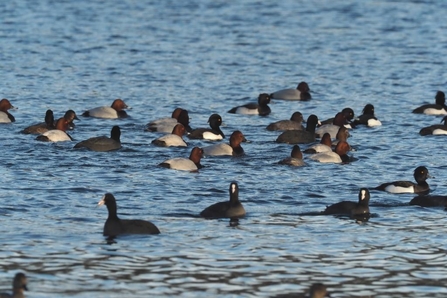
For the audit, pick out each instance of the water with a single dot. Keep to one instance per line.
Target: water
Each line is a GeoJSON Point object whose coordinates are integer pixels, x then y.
{"type": "Point", "coordinates": [208, 56]}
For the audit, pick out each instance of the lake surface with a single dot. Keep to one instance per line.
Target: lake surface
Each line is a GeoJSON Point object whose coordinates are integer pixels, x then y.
{"type": "Point", "coordinates": [207, 57]}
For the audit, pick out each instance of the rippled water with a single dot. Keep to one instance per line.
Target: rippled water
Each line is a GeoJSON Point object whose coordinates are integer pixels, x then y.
{"type": "Point", "coordinates": [208, 56]}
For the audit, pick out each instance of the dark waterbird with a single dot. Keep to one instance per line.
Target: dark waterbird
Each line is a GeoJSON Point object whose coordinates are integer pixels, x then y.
{"type": "Point", "coordinates": [429, 201]}
{"type": "Point", "coordinates": [436, 129]}
{"type": "Point", "coordinates": [103, 143]}
{"type": "Point", "coordinates": [215, 121]}
{"type": "Point", "coordinates": [348, 114]}
{"type": "Point", "coordinates": [351, 208]}
{"type": "Point", "coordinates": [294, 123]}
{"type": "Point", "coordinates": [228, 209]}
{"type": "Point", "coordinates": [316, 290]}
{"type": "Point", "coordinates": [115, 226]}
{"type": "Point", "coordinates": [18, 286]}
{"type": "Point", "coordinates": [42, 127]}
{"type": "Point", "coordinates": [421, 187]}
{"type": "Point", "coordinates": [261, 108]}
{"type": "Point", "coordinates": [438, 108]}
{"type": "Point", "coordinates": [367, 118]}
{"type": "Point", "coordinates": [300, 136]}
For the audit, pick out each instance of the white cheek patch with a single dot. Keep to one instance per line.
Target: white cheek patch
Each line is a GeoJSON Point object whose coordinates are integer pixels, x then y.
{"type": "Point", "coordinates": [233, 188]}
{"type": "Point", "coordinates": [399, 189]}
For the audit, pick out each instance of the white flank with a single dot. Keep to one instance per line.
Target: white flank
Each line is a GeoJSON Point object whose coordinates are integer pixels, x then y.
{"type": "Point", "coordinates": [245, 111]}
{"type": "Point", "coordinates": [56, 135]}
{"type": "Point", "coordinates": [287, 94]}
{"type": "Point", "coordinates": [431, 111]}
{"type": "Point", "coordinates": [374, 122]}
{"type": "Point", "coordinates": [172, 140]}
{"type": "Point", "coordinates": [218, 149]}
{"type": "Point", "coordinates": [439, 132]}
{"type": "Point", "coordinates": [211, 136]}
{"type": "Point", "coordinates": [319, 148]}
{"type": "Point", "coordinates": [326, 157]}
{"type": "Point", "coordinates": [182, 164]}
{"type": "Point", "coordinates": [399, 189]}
{"type": "Point", "coordinates": [103, 112]}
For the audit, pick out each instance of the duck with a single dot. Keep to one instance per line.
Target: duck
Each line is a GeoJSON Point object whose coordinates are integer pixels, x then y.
{"type": "Point", "coordinates": [339, 121]}
{"type": "Point", "coordinates": [438, 108]}
{"type": "Point", "coordinates": [302, 93]}
{"type": "Point", "coordinates": [342, 135]}
{"type": "Point", "coordinates": [421, 174]}
{"type": "Point", "coordinates": [115, 226]}
{"type": "Point", "coordinates": [213, 134]}
{"type": "Point", "coordinates": [261, 108]}
{"type": "Point", "coordinates": [228, 209]}
{"type": "Point", "coordinates": [295, 123]}
{"type": "Point", "coordinates": [300, 136]}
{"type": "Point", "coordinates": [70, 116]}
{"type": "Point", "coordinates": [166, 125]}
{"type": "Point", "coordinates": [318, 290]}
{"type": "Point", "coordinates": [173, 119]}
{"type": "Point", "coordinates": [19, 284]}
{"type": "Point", "coordinates": [325, 145]}
{"type": "Point", "coordinates": [436, 129]}
{"type": "Point", "coordinates": [351, 208]}
{"type": "Point", "coordinates": [49, 123]}
{"type": "Point", "coordinates": [5, 116]}
{"type": "Point", "coordinates": [232, 149]}
{"type": "Point", "coordinates": [174, 139]}
{"type": "Point", "coordinates": [295, 159]}
{"type": "Point", "coordinates": [429, 201]}
{"type": "Point", "coordinates": [367, 118]}
{"type": "Point", "coordinates": [103, 143]}
{"type": "Point", "coordinates": [191, 164]}
{"type": "Point", "coordinates": [58, 134]}
{"type": "Point", "coordinates": [42, 127]}
{"type": "Point", "coordinates": [339, 155]}
{"type": "Point", "coordinates": [116, 110]}
{"type": "Point", "coordinates": [349, 114]}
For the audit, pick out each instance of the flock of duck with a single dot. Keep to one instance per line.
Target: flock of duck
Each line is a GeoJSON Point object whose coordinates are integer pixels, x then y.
{"type": "Point", "coordinates": [332, 147]}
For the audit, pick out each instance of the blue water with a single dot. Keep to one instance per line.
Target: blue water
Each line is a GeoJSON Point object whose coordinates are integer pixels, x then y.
{"type": "Point", "coordinates": [208, 56]}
